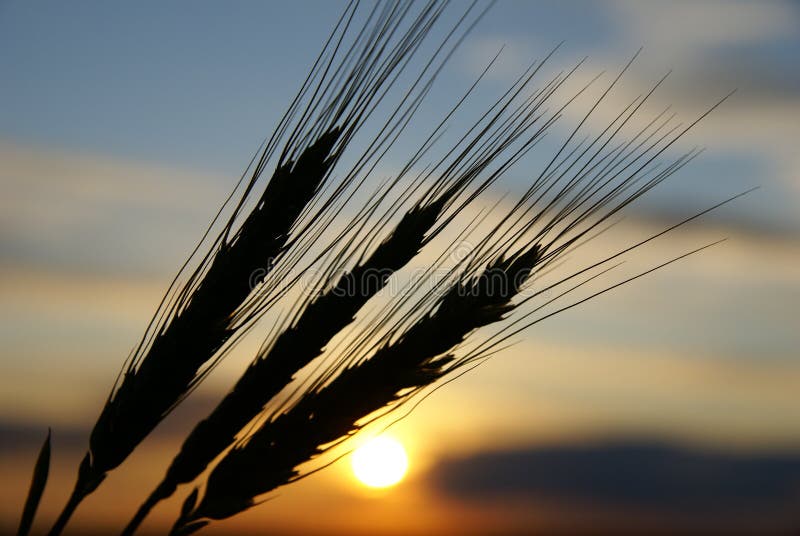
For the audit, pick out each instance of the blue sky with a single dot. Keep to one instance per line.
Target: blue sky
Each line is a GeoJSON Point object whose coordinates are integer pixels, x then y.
{"type": "Point", "coordinates": [194, 86]}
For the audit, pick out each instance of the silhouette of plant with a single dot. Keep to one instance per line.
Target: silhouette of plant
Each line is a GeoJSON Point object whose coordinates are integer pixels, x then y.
{"type": "Point", "coordinates": [321, 376]}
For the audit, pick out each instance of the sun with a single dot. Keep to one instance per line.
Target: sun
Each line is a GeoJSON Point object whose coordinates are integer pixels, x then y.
{"type": "Point", "coordinates": [380, 462]}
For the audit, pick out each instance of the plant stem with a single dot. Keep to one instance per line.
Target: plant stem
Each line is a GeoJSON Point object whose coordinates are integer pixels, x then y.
{"type": "Point", "coordinates": [75, 499]}
{"type": "Point", "coordinates": [88, 480]}
{"type": "Point", "coordinates": [163, 491]}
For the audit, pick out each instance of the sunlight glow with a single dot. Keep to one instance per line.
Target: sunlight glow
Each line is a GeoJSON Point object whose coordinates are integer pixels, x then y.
{"type": "Point", "coordinates": [380, 462]}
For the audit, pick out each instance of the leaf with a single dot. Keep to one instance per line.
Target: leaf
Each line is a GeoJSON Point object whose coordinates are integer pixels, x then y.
{"type": "Point", "coordinates": [191, 528]}
{"type": "Point", "coordinates": [189, 503]}
{"type": "Point", "coordinates": [38, 482]}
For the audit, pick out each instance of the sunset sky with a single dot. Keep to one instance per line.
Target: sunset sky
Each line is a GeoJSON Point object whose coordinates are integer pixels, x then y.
{"type": "Point", "coordinates": [123, 127]}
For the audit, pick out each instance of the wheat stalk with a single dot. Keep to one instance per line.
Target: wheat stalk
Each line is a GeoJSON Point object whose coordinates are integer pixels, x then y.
{"type": "Point", "coordinates": [294, 348]}
{"type": "Point", "coordinates": [197, 321]}
{"type": "Point", "coordinates": [329, 312]}
{"type": "Point", "coordinates": [169, 368]}
{"type": "Point", "coordinates": [417, 359]}
{"type": "Point", "coordinates": [412, 342]}
{"type": "Point", "coordinates": [592, 183]}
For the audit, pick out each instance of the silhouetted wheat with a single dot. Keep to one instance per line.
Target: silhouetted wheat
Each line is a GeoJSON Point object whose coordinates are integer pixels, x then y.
{"type": "Point", "coordinates": [326, 314]}
{"type": "Point", "coordinates": [273, 421]}
{"type": "Point", "coordinates": [196, 320]}
{"type": "Point", "coordinates": [416, 353]}
{"type": "Point", "coordinates": [418, 350]}
{"type": "Point", "coordinates": [322, 416]}
{"type": "Point", "coordinates": [594, 183]}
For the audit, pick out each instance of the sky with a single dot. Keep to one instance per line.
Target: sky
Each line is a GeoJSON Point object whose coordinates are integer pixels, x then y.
{"type": "Point", "coordinates": [123, 127]}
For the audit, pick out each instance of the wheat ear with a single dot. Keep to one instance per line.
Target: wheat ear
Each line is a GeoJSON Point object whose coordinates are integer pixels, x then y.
{"type": "Point", "coordinates": [416, 359]}
{"type": "Point", "coordinates": [294, 348]}
{"type": "Point", "coordinates": [328, 313]}
{"type": "Point", "coordinates": [196, 321]}
{"type": "Point", "coordinates": [418, 351]}
{"type": "Point", "coordinates": [196, 333]}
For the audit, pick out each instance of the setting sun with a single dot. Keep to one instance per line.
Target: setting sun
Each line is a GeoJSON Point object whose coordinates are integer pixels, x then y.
{"type": "Point", "coordinates": [381, 462]}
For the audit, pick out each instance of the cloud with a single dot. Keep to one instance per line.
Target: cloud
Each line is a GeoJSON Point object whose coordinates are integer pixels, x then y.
{"type": "Point", "coordinates": [709, 23]}
{"type": "Point", "coordinates": [26, 436]}
{"type": "Point", "coordinates": [20, 437]}
{"type": "Point", "coordinates": [632, 475]}
{"type": "Point", "coordinates": [101, 215]}
{"type": "Point", "coordinates": [712, 48]}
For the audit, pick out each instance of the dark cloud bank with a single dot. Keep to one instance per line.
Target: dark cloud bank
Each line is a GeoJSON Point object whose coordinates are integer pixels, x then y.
{"type": "Point", "coordinates": [634, 477]}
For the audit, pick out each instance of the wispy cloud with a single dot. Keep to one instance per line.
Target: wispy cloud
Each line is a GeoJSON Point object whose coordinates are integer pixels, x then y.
{"type": "Point", "coordinates": [712, 47]}
{"type": "Point", "coordinates": [96, 214]}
